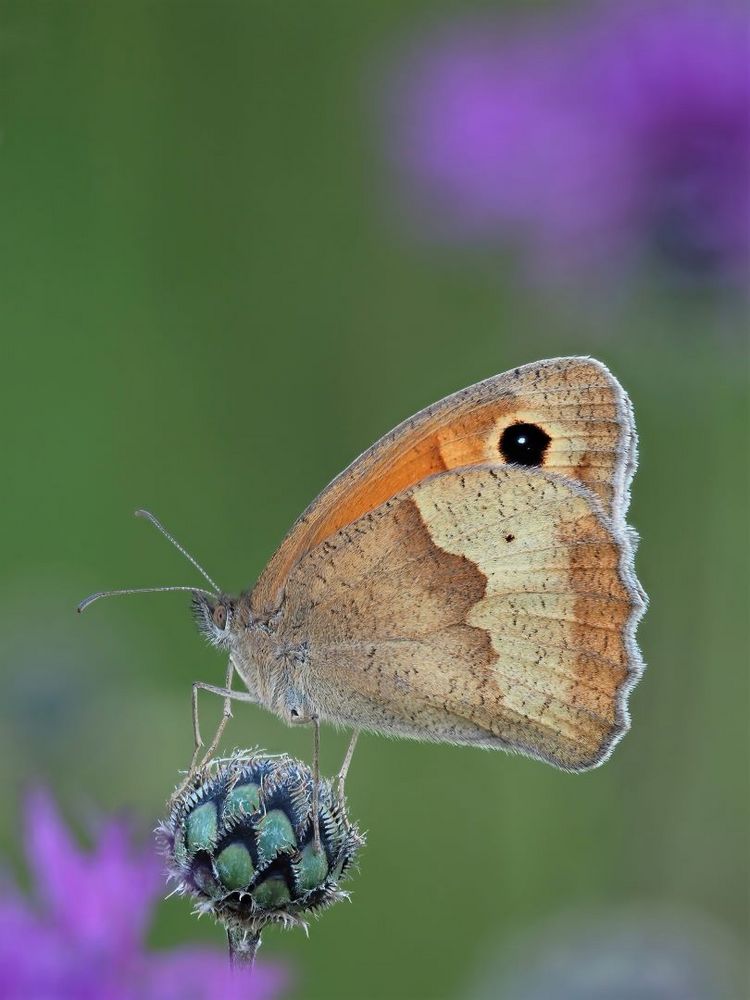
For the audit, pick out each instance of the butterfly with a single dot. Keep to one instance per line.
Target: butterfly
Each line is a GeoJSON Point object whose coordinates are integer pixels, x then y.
{"type": "Point", "coordinates": [469, 579]}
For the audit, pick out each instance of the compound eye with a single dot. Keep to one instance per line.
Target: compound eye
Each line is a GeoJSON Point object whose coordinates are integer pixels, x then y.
{"type": "Point", "coordinates": [220, 616]}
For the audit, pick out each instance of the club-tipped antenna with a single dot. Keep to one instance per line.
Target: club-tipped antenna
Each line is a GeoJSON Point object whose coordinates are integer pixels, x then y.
{"type": "Point", "coordinates": [139, 590]}
{"type": "Point", "coordinates": [157, 524]}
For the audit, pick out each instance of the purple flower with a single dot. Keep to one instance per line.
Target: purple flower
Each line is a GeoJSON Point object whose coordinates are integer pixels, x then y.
{"type": "Point", "coordinates": [603, 140]}
{"type": "Point", "coordinates": [81, 935]}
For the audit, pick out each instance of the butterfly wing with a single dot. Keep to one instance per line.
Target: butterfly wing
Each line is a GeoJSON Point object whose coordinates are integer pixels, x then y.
{"type": "Point", "coordinates": [492, 605]}
{"type": "Point", "coordinates": [579, 409]}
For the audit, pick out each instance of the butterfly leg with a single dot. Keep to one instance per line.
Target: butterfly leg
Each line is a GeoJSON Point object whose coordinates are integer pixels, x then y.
{"type": "Point", "coordinates": [228, 695]}
{"type": "Point", "coordinates": [345, 765]}
{"type": "Point", "coordinates": [316, 782]}
{"type": "Point", "coordinates": [226, 715]}
{"type": "Point", "coordinates": [315, 722]}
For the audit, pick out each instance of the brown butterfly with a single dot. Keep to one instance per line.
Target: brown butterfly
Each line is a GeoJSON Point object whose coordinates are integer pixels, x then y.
{"type": "Point", "coordinates": [468, 579]}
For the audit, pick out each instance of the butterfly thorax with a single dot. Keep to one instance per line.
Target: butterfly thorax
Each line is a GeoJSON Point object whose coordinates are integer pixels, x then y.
{"type": "Point", "coordinates": [271, 662]}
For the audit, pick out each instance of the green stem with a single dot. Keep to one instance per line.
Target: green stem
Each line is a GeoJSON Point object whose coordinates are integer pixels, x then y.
{"type": "Point", "coordinates": [243, 947]}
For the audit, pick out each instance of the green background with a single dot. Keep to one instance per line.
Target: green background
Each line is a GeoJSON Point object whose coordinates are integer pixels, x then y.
{"type": "Point", "coordinates": [208, 308]}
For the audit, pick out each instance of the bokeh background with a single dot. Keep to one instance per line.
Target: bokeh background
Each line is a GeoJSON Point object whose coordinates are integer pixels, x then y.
{"type": "Point", "coordinates": [239, 243]}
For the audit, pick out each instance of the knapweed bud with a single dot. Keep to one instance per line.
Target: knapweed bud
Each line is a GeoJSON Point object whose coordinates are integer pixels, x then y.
{"type": "Point", "coordinates": [241, 841]}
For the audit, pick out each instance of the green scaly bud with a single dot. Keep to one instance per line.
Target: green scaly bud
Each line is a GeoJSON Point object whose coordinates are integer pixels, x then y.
{"type": "Point", "coordinates": [240, 840]}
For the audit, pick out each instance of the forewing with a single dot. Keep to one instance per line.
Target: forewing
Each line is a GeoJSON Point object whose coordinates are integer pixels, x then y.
{"type": "Point", "coordinates": [576, 402]}
{"type": "Point", "coordinates": [492, 605]}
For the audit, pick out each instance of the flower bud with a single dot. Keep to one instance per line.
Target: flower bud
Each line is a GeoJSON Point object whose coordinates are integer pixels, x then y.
{"type": "Point", "coordinates": [241, 841]}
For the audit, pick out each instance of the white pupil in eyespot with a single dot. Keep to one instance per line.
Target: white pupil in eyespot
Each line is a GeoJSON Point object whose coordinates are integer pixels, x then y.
{"type": "Point", "coordinates": [522, 440]}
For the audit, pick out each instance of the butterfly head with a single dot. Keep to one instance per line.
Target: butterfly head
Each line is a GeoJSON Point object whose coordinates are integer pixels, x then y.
{"type": "Point", "coordinates": [214, 615]}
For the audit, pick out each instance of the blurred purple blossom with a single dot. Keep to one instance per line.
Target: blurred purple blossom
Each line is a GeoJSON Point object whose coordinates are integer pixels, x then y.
{"type": "Point", "coordinates": [81, 936]}
{"type": "Point", "coordinates": [604, 138]}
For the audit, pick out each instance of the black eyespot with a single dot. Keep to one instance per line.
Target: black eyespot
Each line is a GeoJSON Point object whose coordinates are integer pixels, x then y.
{"type": "Point", "coordinates": [524, 444]}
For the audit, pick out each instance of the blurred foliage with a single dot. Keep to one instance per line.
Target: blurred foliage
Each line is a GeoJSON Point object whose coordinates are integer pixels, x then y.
{"type": "Point", "coordinates": [207, 311]}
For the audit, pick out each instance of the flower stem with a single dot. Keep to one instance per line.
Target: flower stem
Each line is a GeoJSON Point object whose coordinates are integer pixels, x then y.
{"type": "Point", "coordinates": [243, 947]}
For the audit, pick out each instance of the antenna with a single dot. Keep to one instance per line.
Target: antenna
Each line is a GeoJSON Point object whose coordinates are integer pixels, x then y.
{"type": "Point", "coordinates": [138, 590]}
{"type": "Point", "coordinates": [156, 590]}
{"type": "Point", "coordinates": [157, 524]}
